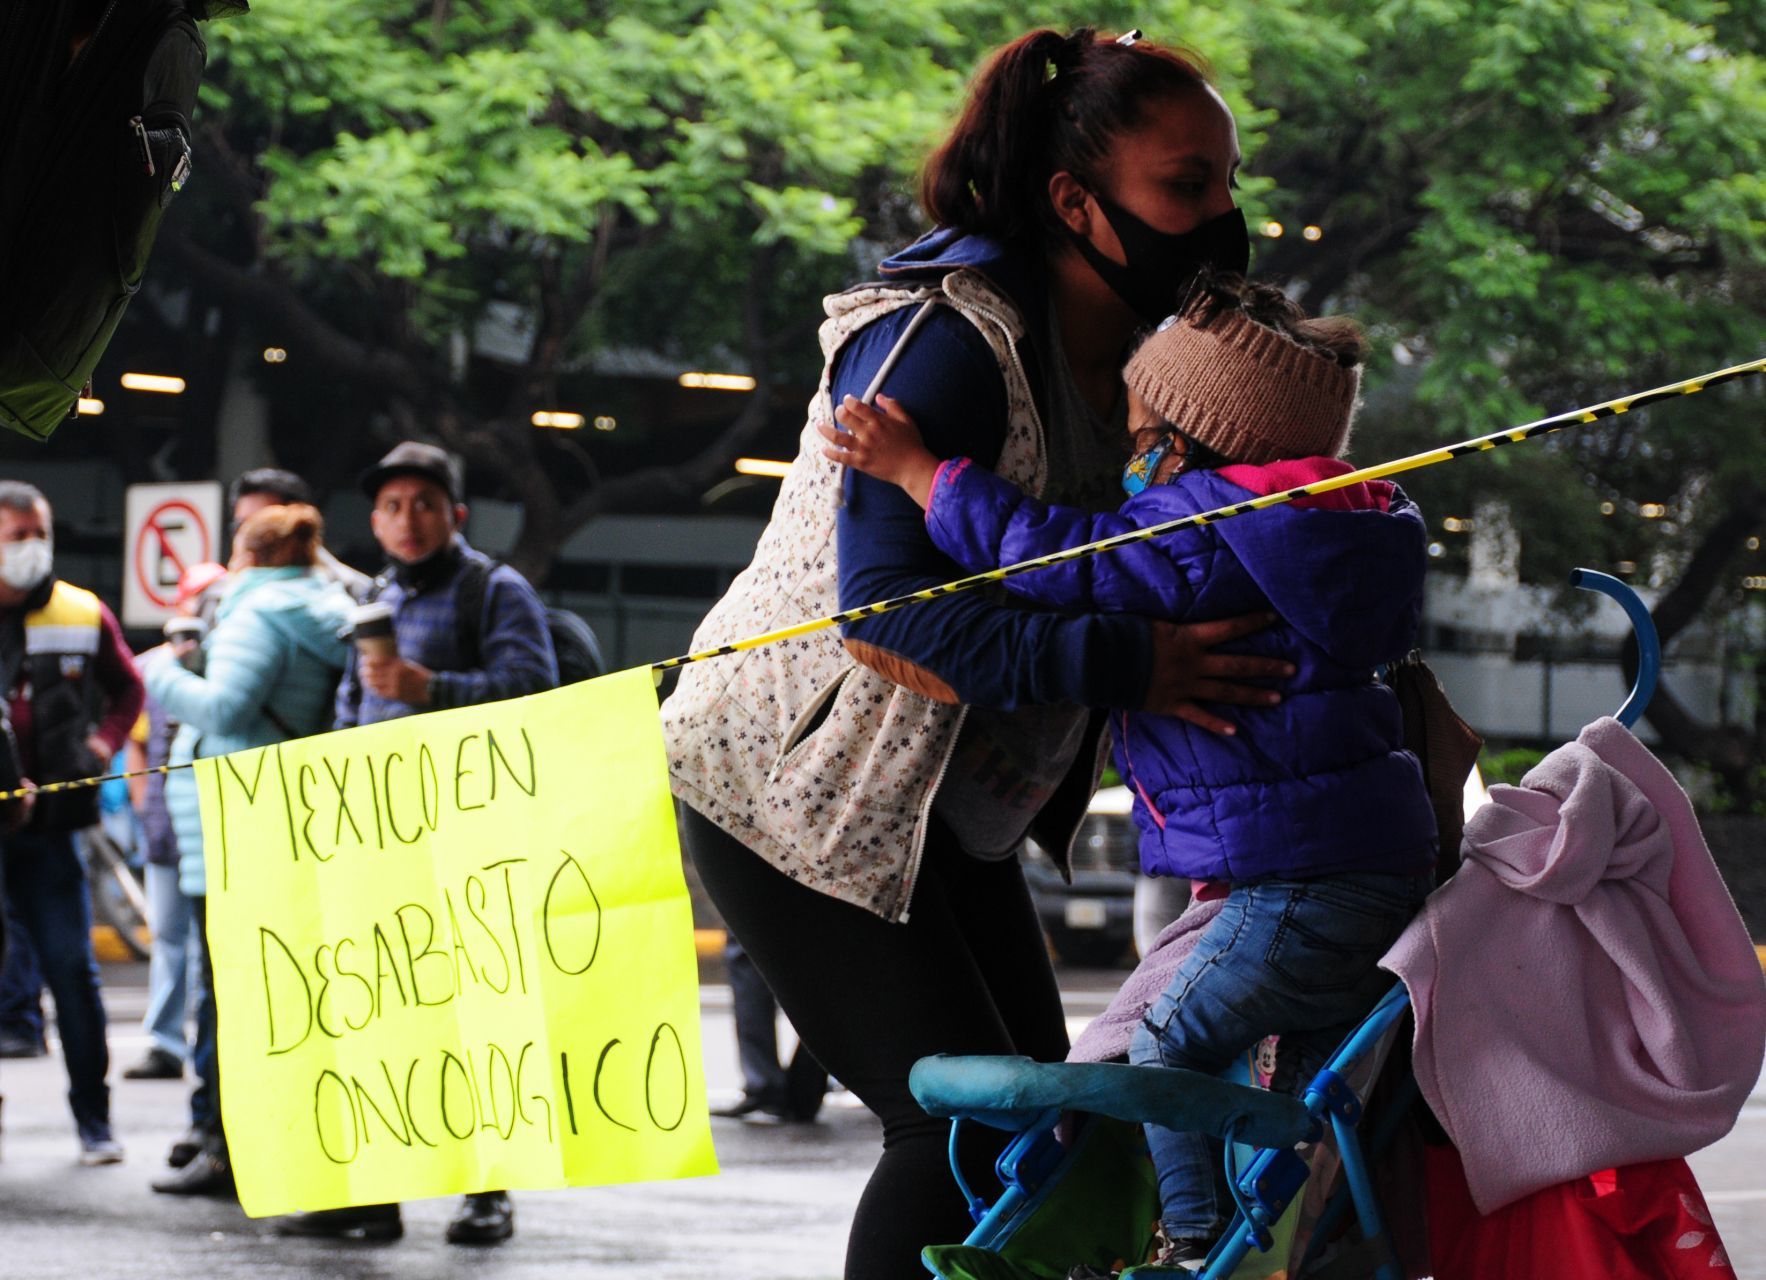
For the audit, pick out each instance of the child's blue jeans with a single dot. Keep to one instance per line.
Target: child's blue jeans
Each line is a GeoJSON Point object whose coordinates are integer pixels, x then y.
{"type": "Point", "coordinates": [1294, 958]}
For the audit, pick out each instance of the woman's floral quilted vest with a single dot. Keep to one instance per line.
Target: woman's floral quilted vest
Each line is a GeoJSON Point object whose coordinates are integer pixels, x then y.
{"type": "Point", "coordinates": [844, 809]}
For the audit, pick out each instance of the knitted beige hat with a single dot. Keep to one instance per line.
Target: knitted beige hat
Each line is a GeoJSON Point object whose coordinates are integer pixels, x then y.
{"type": "Point", "coordinates": [1246, 391]}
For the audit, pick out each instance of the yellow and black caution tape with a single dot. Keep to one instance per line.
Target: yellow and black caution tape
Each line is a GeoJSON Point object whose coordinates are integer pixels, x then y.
{"type": "Point", "coordinates": [80, 784]}
{"type": "Point", "coordinates": [1379, 471]}
{"type": "Point", "coordinates": [1514, 435]}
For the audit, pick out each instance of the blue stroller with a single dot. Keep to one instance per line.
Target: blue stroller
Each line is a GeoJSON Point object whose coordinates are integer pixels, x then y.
{"type": "Point", "coordinates": [1090, 1200]}
{"type": "Point", "coordinates": [1109, 1220]}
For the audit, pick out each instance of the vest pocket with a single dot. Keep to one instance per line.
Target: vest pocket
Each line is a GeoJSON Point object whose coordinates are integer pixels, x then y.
{"type": "Point", "coordinates": [812, 717]}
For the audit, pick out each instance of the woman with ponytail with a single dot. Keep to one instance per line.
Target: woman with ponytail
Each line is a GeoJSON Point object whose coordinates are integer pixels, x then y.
{"type": "Point", "coordinates": [855, 803]}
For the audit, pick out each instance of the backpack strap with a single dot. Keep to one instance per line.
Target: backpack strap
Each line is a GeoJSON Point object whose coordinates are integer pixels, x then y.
{"type": "Point", "coordinates": [469, 595]}
{"type": "Point", "coordinates": [281, 726]}
{"type": "Point", "coordinates": [470, 589]}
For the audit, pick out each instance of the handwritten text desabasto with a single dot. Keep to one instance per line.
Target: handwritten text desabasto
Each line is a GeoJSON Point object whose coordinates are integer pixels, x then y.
{"type": "Point", "coordinates": [498, 930]}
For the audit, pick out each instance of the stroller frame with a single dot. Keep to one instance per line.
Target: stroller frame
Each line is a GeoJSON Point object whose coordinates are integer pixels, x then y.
{"type": "Point", "coordinates": [1034, 1160]}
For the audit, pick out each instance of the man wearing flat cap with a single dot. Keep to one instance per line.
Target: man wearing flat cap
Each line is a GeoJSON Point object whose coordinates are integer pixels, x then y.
{"type": "Point", "coordinates": [444, 659]}
{"type": "Point", "coordinates": [468, 630]}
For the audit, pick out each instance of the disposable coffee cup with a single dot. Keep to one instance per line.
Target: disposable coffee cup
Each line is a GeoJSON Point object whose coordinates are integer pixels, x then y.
{"type": "Point", "coordinates": [185, 634]}
{"type": "Point", "coordinates": [371, 629]}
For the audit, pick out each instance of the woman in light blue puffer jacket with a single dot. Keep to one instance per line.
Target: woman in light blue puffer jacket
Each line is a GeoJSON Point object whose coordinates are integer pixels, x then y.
{"type": "Point", "coordinates": [271, 663]}
{"type": "Point", "coordinates": [270, 671]}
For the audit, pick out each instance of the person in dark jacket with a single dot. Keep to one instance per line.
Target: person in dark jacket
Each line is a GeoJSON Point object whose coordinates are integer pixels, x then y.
{"type": "Point", "coordinates": [418, 513]}
{"type": "Point", "coordinates": [1236, 397]}
{"type": "Point", "coordinates": [74, 696]}
{"type": "Point", "coordinates": [443, 660]}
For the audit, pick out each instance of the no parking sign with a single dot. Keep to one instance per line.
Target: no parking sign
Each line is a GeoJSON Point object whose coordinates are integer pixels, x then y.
{"type": "Point", "coordinates": [167, 528]}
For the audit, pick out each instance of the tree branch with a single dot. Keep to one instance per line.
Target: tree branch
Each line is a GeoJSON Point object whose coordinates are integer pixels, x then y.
{"type": "Point", "coordinates": [1731, 752]}
{"type": "Point", "coordinates": [235, 178]}
{"type": "Point", "coordinates": [276, 306]}
{"type": "Point", "coordinates": [686, 481]}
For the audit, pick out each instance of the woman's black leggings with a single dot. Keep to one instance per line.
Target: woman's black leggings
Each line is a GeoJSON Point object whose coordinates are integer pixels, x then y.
{"type": "Point", "coordinates": [967, 973]}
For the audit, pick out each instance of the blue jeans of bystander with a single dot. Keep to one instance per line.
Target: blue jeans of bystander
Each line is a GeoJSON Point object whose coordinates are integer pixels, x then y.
{"type": "Point", "coordinates": [171, 976]}
{"type": "Point", "coordinates": [47, 884]}
{"type": "Point", "coordinates": [205, 1056]}
{"type": "Point", "coordinates": [1294, 958]}
{"type": "Point", "coordinates": [21, 985]}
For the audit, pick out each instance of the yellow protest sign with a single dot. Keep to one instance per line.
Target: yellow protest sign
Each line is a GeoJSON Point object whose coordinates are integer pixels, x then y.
{"type": "Point", "coordinates": [454, 953]}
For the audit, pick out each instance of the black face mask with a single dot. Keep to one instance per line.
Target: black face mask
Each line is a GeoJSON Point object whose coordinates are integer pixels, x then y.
{"type": "Point", "coordinates": [1161, 265]}
{"type": "Point", "coordinates": [430, 571]}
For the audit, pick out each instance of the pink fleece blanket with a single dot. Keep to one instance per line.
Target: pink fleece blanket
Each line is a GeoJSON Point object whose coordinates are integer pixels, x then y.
{"type": "Point", "coordinates": [1586, 994]}
{"type": "Point", "coordinates": [1106, 1037]}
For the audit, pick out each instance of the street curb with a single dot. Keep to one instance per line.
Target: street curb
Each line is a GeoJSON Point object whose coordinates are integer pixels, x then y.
{"type": "Point", "coordinates": [109, 948]}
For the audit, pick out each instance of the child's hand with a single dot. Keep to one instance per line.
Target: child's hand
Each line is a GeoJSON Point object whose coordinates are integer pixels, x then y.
{"type": "Point", "coordinates": [882, 441]}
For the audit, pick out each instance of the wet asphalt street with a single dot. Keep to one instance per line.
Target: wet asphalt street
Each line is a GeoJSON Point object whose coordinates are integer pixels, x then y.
{"type": "Point", "coordinates": [778, 1210]}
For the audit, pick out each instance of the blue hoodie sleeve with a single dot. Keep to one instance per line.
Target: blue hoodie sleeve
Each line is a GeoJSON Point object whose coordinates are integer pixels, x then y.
{"type": "Point", "coordinates": [989, 654]}
{"type": "Point", "coordinates": [983, 522]}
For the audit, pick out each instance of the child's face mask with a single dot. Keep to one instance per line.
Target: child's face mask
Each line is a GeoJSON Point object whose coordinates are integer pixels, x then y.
{"type": "Point", "coordinates": [1143, 468]}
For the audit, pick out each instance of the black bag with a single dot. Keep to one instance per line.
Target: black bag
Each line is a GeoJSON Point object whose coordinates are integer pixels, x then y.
{"type": "Point", "coordinates": [573, 640]}
{"type": "Point", "coordinates": [95, 153]}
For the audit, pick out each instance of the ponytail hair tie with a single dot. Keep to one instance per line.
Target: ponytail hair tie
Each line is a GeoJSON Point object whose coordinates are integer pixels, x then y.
{"type": "Point", "coordinates": [1070, 51]}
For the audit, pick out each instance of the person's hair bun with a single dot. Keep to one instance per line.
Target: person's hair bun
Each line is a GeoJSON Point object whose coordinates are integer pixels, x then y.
{"type": "Point", "coordinates": [287, 534]}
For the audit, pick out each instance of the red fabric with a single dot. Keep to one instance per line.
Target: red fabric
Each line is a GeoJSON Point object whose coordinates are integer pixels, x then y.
{"type": "Point", "coordinates": [1292, 473]}
{"type": "Point", "coordinates": [1640, 1222]}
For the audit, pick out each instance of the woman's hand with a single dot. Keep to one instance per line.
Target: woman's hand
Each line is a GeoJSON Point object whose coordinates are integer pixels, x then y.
{"type": "Point", "coordinates": [15, 814]}
{"type": "Point", "coordinates": [1186, 673]}
{"type": "Point", "coordinates": [882, 441]}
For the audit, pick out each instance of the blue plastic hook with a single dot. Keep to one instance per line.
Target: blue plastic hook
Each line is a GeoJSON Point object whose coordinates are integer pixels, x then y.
{"type": "Point", "coordinates": [1649, 646]}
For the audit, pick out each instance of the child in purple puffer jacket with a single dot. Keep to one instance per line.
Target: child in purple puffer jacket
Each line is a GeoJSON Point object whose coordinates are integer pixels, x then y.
{"type": "Point", "coordinates": [1310, 818]}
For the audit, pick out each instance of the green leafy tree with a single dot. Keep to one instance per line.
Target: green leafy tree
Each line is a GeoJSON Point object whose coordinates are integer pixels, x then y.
{"type": "Point", "coordinates": [1541, 205]}
{"type": "Point", "coordinates": [684, 175]}
{"type": "Point", "coordinates": [1534, 203]}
